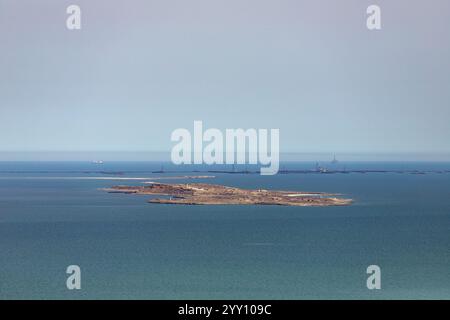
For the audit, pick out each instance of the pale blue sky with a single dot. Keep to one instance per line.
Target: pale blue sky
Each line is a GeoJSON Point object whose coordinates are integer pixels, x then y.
{"type": "Point", "coordinates": [140, 69]}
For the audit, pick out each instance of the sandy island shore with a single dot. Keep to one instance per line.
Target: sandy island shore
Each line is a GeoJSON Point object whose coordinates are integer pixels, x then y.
{"type": "Point", "coordinates": [210, 194]}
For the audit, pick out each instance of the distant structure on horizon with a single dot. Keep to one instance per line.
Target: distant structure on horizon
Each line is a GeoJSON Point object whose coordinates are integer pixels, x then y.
{"type": "Point", "coordinates": [159, 171]}
{"type": "Point", "coordinates": [334, 161]}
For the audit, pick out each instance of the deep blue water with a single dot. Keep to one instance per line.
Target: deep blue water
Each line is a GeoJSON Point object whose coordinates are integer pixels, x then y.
{"type": "Point", "coordinates": [127, 248]}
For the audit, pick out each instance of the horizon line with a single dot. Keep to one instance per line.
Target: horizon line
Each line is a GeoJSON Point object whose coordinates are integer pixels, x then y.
{"type": "Point", "coordinates": [164, 156]}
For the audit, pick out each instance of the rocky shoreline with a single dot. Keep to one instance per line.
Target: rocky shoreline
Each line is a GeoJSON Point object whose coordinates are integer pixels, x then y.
{"type": "Point", "coordinates": [210, 194]}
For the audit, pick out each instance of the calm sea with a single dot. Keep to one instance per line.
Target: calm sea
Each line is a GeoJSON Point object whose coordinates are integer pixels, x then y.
{"type": "Point", "coordinates": [51, 216]}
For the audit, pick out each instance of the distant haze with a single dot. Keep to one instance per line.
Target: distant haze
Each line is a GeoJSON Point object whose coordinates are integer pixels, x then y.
{"type": "Point", "coordinates": [139, 69]}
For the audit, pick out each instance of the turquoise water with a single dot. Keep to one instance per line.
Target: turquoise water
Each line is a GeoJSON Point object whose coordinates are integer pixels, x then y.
{"type": "Point", "coordinates": [127, 248]}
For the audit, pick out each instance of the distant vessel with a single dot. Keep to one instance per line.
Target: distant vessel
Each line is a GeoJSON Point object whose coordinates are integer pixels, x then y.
{"type": "Point", "coordinates": [159, 171]}
{"type": "Point", "coordinates": [97, 162]}
{"type": "Point", "coordinates": [321, 169]}
{"type": "Point", "coordinates": [324, 170]}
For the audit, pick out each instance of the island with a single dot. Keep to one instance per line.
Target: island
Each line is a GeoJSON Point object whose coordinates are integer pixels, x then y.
{"type": "Point", "coordinates": [211, 194]}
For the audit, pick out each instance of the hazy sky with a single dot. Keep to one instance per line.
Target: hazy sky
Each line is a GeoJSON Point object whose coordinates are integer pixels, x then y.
{"type": "Point", "coordinates": [137, 70]}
